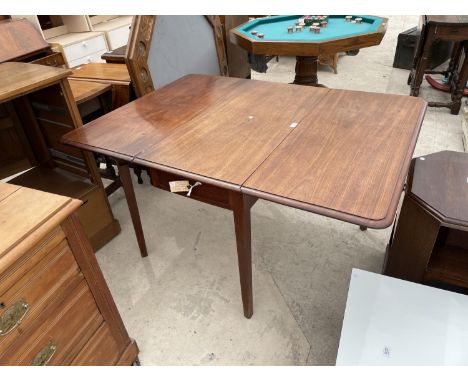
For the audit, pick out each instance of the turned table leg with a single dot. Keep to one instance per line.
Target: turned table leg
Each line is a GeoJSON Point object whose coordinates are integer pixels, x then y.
{"type": "Point", "coordinates": [457, 93]}
{"type": "Point", "coordinates": [422, 63]}
{"type": "Point", "coordinates": [126, 179]}
{"type": "Point", "coordinates": [240, 205]}
{"type": "Point", "coordinates": [306, 71]}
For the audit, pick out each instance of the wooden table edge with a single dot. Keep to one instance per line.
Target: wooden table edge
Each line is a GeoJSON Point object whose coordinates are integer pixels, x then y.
{"type": "Point", "coordinates": [104, 88]}
{"type": "Point", "coordinates": [319, 210]}
{"type": "Point", "coordinates": [444, 220]}
{"type": "Point", "coordinates": [94, 149]}
{"type": "Point", "coordinates": [27, 90]}
{"type": "Point", "coordinates": [101, 80]}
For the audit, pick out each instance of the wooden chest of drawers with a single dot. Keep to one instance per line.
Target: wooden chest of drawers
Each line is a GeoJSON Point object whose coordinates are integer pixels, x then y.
{"type": "Point", "coordinates": [81, 48]}
{"type": "Point", "coordinates": [55, 307]}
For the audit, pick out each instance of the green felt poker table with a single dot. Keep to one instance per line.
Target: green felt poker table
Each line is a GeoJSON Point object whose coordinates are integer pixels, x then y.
{"type": "Point", "coordinates": [278, 35]}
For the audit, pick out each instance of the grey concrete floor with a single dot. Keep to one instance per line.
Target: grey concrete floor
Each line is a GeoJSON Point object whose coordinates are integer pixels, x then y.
{"type": "Point", "coordinates": [182, 304]}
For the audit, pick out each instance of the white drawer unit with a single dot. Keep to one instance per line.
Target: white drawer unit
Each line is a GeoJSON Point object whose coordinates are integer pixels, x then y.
{"type": "Point", "coordinates": [96, 57]}
{"type": "Point", "coordinates": [79, 48]}
{"type": "Point", "coordinates": [117, 30]}
{"type": "Point", "coordinates": [118, 37]}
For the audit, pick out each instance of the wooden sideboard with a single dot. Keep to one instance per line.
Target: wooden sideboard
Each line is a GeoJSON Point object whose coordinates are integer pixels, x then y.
{"type": "Point", "coordinates": [55, 306]}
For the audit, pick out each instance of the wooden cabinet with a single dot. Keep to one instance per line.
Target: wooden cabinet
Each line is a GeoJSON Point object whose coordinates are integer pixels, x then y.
{"type": "Point", "coordinates": [430, 241]}
{"type": "Point", "coordinates": [40, 98]}
{"type": "Point", "coordinates": [55, 307]}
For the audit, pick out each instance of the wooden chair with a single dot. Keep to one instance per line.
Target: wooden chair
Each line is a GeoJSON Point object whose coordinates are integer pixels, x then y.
{"type": "Point", "coordinates": [449, 28]}
{"type": "Point", "coordinates": [162, 49]}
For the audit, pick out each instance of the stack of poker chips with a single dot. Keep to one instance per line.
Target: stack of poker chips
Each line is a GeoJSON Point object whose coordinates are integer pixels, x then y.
{"type": "Point", "coordinates": [358, 20]}
{"type": "Point", "coordinates": [313, 22]}
{"type": "Point", "coordinates": [255, 33]}
{"type": "Point", "coordinates": [348, 18]}
{"type": "Point", "coordinates": [309, 20]}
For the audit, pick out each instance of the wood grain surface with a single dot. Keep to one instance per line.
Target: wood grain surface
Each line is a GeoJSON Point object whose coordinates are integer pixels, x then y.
{"type": "Point", "coordinates": [351, 157]}
{"type": "Point", "coordinates": [347, 158]}
{"type": "Point", "coordinates": [19, 39]}
{"type": "Point", "coordinates": [85, 90]}
{"type": "Point", "coordinates": [440, 183]}
{"type": "Point", "coordinates": [102, 71]}
{"type": "Point", "coordinates": [125, 132]}
{"type": "Point", "coordinates": [24, 215]}
{"type": "Point", "coordinates": [233, 137]}
{"type": "Point", "coordinates": [18, 78]}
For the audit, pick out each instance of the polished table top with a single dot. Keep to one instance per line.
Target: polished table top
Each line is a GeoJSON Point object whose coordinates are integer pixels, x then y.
{"type": "Point", "coordinates": [343, 154]}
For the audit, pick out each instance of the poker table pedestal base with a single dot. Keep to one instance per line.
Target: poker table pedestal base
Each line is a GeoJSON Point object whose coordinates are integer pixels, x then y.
{"type": "Point", "coordinates": [306, 71]}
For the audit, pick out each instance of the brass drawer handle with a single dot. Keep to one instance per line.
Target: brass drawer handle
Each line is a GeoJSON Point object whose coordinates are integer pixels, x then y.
{"type": "Point", "coordinates": [13, 316]}
{"type": "Point", "coordinates": [45, 355]}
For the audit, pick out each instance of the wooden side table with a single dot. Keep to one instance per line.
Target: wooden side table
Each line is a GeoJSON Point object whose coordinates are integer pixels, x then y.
{"type": "Point", "coordinates": [430, 242]}
{"type": "Point", "coordinates": [448, 28]}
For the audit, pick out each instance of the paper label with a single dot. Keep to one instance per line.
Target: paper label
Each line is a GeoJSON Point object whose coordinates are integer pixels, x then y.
{"type": "Point", "coordinates": [179, 186]}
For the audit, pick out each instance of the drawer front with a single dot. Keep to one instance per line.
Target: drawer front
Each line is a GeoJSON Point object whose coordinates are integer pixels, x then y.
{"type": "Point", "coordinates": [47, 282]}
{"type": "Point", "coordinates": [101, 349]}
{"type": "Point", "coordinates": [13, 274]}
{"type": "Point", "coordinates": [95, 57]}
{"type": "Point", "coordinates": [118, 37]}
{"type": "Point", "coordinates": [205, 192]}
{"type": "Point", "coordinates": [85, 48]}
{"type": "Point", "coordinates": [54, 59]}
{"type": "Point", "coordinates": [62, 335]}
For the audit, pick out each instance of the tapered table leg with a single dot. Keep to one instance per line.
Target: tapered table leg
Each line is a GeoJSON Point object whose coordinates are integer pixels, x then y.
{"type": "Point", "coordinates": [125, 178]}
{"type": "Point", "coordinates": [241, 205]}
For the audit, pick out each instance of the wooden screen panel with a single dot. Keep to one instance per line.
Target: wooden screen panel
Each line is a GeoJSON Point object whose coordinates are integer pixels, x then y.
{"type": "Point", "coordinates": [164, 48]}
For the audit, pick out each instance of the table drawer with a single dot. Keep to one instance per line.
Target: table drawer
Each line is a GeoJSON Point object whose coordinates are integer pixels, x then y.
{"type": "Point", "coordinates": [85, 48]}
{"type": "Point", "coordinates": [118, 37]}
{"type": "Point", "coordinates": [206, 193]}
{"type": "Point", "coordinates": [101, 349]}
{"type": "Point", "coordinates": [95, 57]}
{"type": "Point", "coordinates": [62, 336]}
{"type": "Point", "coordinates": [42, 286]}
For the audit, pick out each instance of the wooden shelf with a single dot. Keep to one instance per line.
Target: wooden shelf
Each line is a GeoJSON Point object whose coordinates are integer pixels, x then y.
{"type": "Point", "coordinates": [449, 265]}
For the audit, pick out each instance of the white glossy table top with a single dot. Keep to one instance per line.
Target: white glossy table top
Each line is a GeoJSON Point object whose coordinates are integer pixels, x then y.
{"type": "Point", "coordinates": [394, 322]}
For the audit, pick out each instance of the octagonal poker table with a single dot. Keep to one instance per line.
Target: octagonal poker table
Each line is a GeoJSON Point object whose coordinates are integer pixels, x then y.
{"type": "Point", "coordinates": [270, 36]}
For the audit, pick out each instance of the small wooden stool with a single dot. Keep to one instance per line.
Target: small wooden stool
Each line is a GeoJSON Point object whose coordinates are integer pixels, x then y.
{"type": "Point", "coordinates": [449, 28]}
{"type": "Point", "coordinates": [430, 240]}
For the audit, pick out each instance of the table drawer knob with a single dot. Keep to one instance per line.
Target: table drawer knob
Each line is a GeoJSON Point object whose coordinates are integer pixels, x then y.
{"type": "Point", "coordinates": [45, 355]}
{"type": "Point", "coordinates": [13, 316]}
